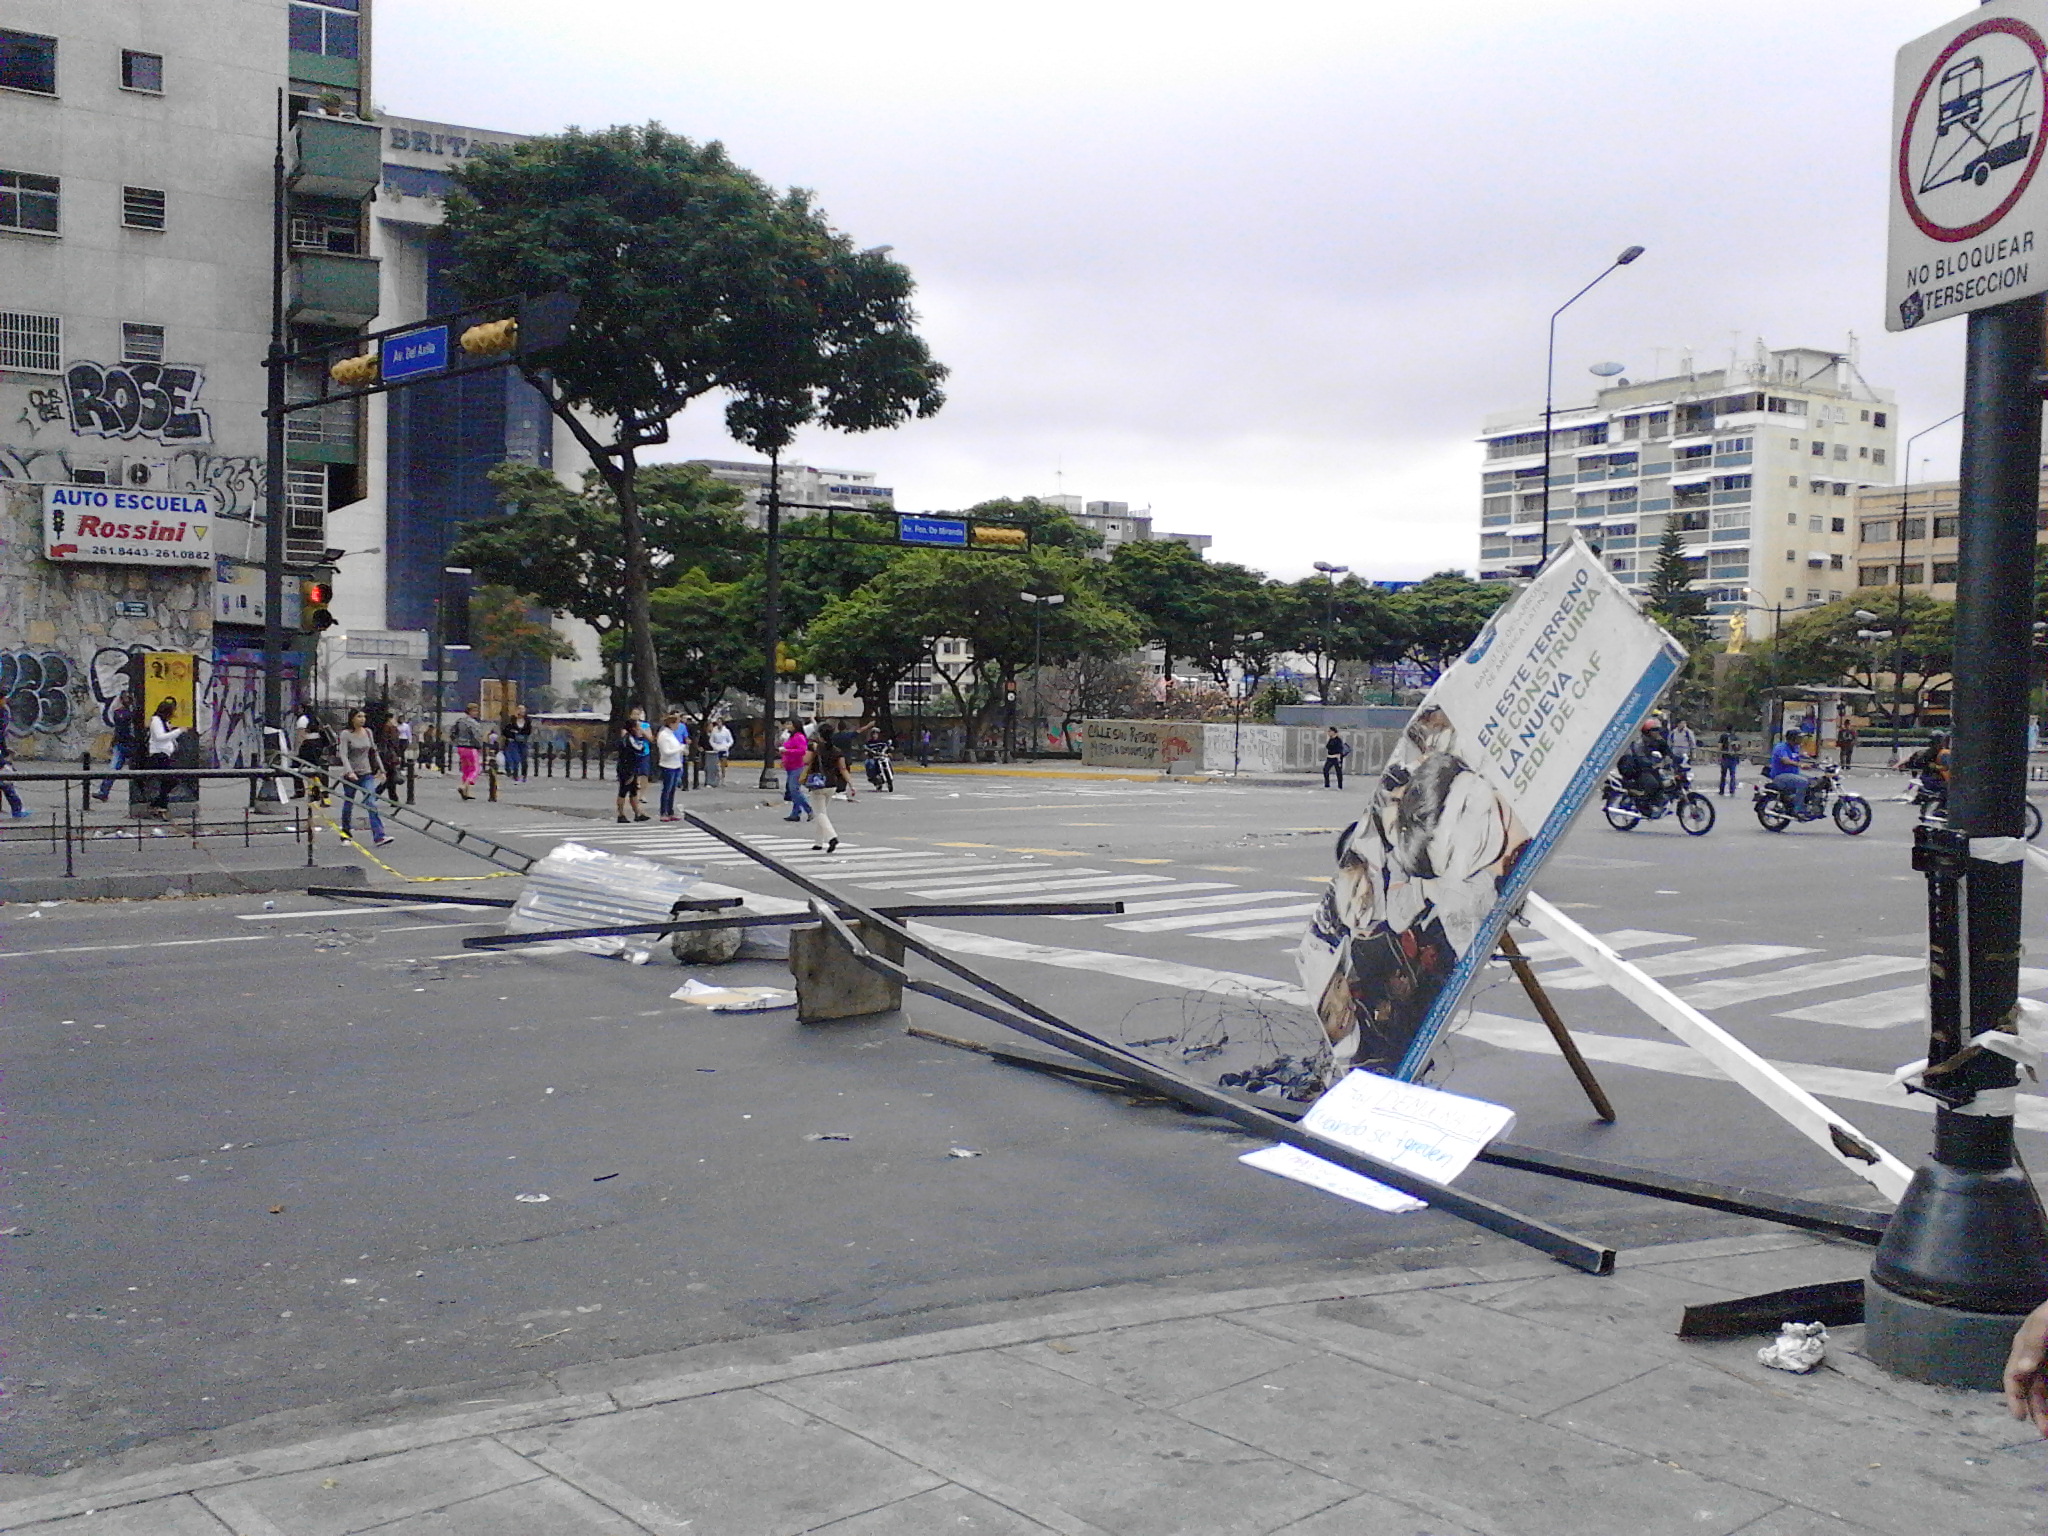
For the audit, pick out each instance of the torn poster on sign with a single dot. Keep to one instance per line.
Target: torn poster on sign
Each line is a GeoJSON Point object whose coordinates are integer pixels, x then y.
{"type": "Point", "coordinates": [1500, 757]}
{"type": "Point", "coordinates": [1423, 1130]}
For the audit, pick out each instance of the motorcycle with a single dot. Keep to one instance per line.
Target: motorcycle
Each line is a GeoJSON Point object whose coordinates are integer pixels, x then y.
{"type": "Point", "coordinates": [1930, 802]}
{"type": "Point", "coordinates": [1825, 798]}
{"type": "Point", "coordinates": [881, 772]}
{"type": "Point", "coordinates": [1626, 810]}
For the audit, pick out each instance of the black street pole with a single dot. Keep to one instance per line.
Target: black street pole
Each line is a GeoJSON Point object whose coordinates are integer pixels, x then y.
{"type": "Point", "coordinates": [772, 619]}
{"type": "Point", "coordinates": [274, 447]}
{"type": "Point", "coordinates": [1549, 392]}
{"type": "Point", "coordinates": [1966, 1254]}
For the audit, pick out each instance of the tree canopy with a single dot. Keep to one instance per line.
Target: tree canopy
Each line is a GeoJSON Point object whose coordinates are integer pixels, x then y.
{"type": "Point", "coordinates": [1438, 618]}
{"type": "Point", "coordinates": [503, 630]}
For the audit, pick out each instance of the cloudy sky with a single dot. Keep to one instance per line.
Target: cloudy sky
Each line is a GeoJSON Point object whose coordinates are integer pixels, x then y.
{"type": "Point", "coordinates": [1264, 269]}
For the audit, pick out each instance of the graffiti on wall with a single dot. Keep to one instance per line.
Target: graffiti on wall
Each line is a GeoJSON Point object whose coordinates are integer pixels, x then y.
{"type": "Point", "coordinates": [127, 400]}
{"type": "Point", "coordinates": [231, 707]}
{"type": "Point", "coordinates": [37, 686]}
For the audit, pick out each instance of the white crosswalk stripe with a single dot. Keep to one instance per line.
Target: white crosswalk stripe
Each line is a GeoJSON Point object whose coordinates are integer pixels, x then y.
{"type": "Point", "coordinates": [1727, 992]}
{"type": "Point", "coordinates": [1211, 919]}
{"type": "Point", "coordinates": [1234, 899]}
{"type": "Point", "coordinates": [1893, 1006]}
{"type": "Point", "coordinates": [982, 889]}
{"type": "Point", "coordinates": [1622, 940]}
{"type": "Point", "coordinates": [1287, 930]}
{"type": "Point", "coordinates": [1010, 871]}
{"type": "Point", "coordinates": [1684, 962]}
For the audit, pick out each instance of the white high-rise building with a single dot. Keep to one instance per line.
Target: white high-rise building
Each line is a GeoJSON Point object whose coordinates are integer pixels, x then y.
{"type": "Point", "coordinates": [1757, 468]}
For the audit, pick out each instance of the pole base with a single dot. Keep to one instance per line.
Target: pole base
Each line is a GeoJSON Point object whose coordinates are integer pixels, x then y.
{"type": "Point", "coordinates": [1941, 1346]}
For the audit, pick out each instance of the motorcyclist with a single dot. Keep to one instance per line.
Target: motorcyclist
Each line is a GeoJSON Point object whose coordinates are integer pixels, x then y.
{"type": "Point", "coordinates": [876, 748]}
{"type": "Point", "coordinates": [1786, 762]}
{"type": "Point", "coordinates": [1930, 766]}
{"type": "Point", "coordinates": [1646, 767]}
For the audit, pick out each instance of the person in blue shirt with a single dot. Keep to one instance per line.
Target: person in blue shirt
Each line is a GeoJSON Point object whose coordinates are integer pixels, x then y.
{"type": "Point", "coordinates": [1786, 761]}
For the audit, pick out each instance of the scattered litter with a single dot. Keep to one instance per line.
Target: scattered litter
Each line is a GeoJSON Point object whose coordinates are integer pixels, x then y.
{"type": "Point", "coordinates": [547, 1090]}
{"type": "Point", "coordinates": [707, 1069]}
{"type": "Point", "coordinates": [581, 887]}
{"type": "Point", "coordinates": [330, 1482]}
{"type": "Point", "coordinates": [1798, 1348]}
{"type": "Point", "coordinates": [827, 1136]}
{"type": "Point", "coordinates": [277, 1210]}
{"type": "Point", "coordinates": [531, 1199]}
{"type": "Point", "coordinates": [734, 999]}
{"type": "Point", "coordinates": [1061, 1347]}
{"type": "Point", "coordinates": [13, 1231]}
{"type": "Point", "coordinates": [26, 915]}
{"type": "Point", "coordinates": [961, 1152]}
{"type": "Point", "coordinates": [602, 1177]}
{"type": "Point", "coordinates": [541, 1338]}
{"type": "Point", "coordinates": [270, 906]}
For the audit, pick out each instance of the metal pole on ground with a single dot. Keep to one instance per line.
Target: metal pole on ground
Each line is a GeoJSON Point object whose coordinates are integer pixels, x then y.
{"type": "Point", "coordinates": [1966, 1255]}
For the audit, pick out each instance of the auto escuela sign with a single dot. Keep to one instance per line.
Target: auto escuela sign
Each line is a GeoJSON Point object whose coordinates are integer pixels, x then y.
{"type": "Point", "coordinates": [106, 525]}
{"type": "Point", "coordinates": [1969, 213]}
{"type": "Point", "coordinates": [1499, 758]}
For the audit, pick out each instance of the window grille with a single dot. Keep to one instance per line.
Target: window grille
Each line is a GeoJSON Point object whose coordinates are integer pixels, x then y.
{"type": "Point", "coordinates": [31, 343]}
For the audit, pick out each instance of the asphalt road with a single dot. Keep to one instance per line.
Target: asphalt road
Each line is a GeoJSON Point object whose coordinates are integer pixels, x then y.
{"type": "Point", "coordinates": [268, 1164]}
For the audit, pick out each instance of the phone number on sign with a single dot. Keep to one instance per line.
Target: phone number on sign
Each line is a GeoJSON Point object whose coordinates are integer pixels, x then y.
{"type": "Point", "coordinates": [155, 553]}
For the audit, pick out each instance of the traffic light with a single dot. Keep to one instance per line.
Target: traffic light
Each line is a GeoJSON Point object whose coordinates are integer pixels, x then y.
{"type": "Point", "coordinates": [494, 338]}
{"type": "Point", "coordinates": [314, 615]}
{"type": "Point", "coordinates": [356, 372]}
{"type": "Point", "coordinates": [785, 659]}
{"type": "Point", "coordinates": [544, 321]}
{"type": "Point", "coordinates": [991, 536]}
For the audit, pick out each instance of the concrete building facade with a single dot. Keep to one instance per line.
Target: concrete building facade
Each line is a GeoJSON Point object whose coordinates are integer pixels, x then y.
{"type": "Point", "coordinates": [1758, 467]}
{"type": "Point", "coordinates": [1907, 537]}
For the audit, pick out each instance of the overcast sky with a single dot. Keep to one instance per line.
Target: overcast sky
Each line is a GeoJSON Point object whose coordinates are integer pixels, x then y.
{"type": "Point", "coordinates": [1264, 270]}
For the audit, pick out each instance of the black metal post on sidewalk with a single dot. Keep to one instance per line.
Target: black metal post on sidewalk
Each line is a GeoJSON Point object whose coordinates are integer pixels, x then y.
{"type": "Point", "coordinates": [1967, 1252]}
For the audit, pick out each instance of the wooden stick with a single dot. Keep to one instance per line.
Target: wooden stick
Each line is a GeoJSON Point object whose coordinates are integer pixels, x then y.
{"type": "Point", "coordinates": [1547, 1010]}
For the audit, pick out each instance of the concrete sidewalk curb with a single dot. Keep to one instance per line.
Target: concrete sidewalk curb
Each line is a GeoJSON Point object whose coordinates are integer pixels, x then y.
{"type": "Point", "coordinates": [792, 1361]}
{"type": "Point", "coordinates": [203, 882]}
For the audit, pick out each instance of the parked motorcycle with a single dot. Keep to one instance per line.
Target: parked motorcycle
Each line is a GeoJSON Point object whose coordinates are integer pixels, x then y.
{"type": "Point", "coordinates": [1825, 798]}
{"type": "Point", "coordinates": [1626, 810]}
{"type": "Point", "coordinates": [1930, 803]}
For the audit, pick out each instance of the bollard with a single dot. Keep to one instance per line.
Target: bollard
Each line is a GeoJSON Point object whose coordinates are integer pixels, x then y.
{"type": "Point", "coordinates": [491, 771]}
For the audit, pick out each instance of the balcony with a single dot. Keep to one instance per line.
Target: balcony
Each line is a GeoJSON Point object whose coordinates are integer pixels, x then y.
{"type": "Point", "coordinates": [336, 157]}
{"type": "Point", "coordinates": [324, 434]}
{"type": "Point", "coordinates": [331, 289]}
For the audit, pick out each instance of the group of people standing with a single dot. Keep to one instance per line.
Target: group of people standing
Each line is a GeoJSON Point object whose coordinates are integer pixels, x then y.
{"type": "Point", "coordinates": [640, 752]}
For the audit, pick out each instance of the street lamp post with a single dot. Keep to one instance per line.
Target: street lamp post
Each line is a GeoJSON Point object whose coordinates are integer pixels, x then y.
{"type": "Point", "coordinates": [1039, 603]}
{"type": "Point", "coordinates": [1237, 644]}
{"type": "Point", "coordinates": [442, 646]}
{"type": "Point", "coordinates": [1330, 575]}
{"type": "Point", "coordinates": [1550, 388]}
{"type": "Point", "coordinates": [1899, 583]}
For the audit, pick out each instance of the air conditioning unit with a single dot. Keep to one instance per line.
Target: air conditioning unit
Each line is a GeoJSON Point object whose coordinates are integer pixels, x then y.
{"type": "Point", "coordinates": [146, 474]}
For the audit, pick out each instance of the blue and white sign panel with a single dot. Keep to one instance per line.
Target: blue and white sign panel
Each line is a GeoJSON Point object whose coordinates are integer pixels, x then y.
{"type": "Point", "coordinates": [948, 531]}
{"type": "Point", "coordinates": [414, 353]}
{"type": "Point", "coordinates": [1502, 754]}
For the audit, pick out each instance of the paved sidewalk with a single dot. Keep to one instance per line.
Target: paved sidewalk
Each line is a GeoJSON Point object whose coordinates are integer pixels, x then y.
{"type": "Point", "coordinates": [1513, 1399]}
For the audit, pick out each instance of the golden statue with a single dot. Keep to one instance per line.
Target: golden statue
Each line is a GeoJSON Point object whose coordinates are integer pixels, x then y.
{"type": "Point", "coordinates": [1738, 633]}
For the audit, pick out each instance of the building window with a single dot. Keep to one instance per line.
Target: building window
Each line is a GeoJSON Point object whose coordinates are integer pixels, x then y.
{"type": "Point", "coordinates": [1813, 525]}
{"type": "Point", "coordinates": [1877, 455]}
{"type": "Point", "coordinates": [1834, 562]}
{"type": "Point", "coordinates": [1790, 594]}
{"type": "Point", "coordinates": [329, 29]}
{"type": "Point", "coordinates": [142, 71]}
{"type": "Point", "coordinates": [1916, 528]}
{"type": "Point", "coordinates": [28, 62]}
{"type": "Point", "coordinates": [1877, 533]}
{"type": "Point", "coordinates": [1947, 527]}
{"type": "Point", "coordinates": [31, 343]}
{"type": "Point", "coordinates": [316, 230]}
{"type": "Point", "coordinates": [1909, 575]}
{"type": "Point", "coordinates": [1874, 576]}
{"type": "Point", "coordinates": [1841, 451]}
{"type": "Point", "coordinates": [1812, 595]}
{"type": "Point", "coordinates": [142, 343]}
{"type": "Point", "coordinates": [1818, 487]}
{"type": "Point", "coordinates": [1792, 481]}
{"type": "Point", "coordinates": [142, 207]}
{"type": "Point", "coordinates": [28, 202]}
{"type": "Point", "coordinates": [1944, 570]}
{"type": "Point", "coordinates": [1791, 555]}
{"type": "Point", "coordinates": [1784, 407]}
{"type": "Point", "coordinates": [1877, 418]}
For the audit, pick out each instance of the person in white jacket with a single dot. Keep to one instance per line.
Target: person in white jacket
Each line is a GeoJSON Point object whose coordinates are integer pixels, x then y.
{"type": "Point", "coordinates": [671, 752]}
{"type": "Point", "coordinates": [163, 742]}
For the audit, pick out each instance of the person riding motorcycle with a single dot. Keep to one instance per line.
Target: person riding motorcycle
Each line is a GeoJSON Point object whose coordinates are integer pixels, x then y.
{"type": "Point", "coordinates": [1648, 767]}
{"type": "Point", "coordinates": [1786, 762]}
{"type": "Point", "coordinates": [1930, 767]}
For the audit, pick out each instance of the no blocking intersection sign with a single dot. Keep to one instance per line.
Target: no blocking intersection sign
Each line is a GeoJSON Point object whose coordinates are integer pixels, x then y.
{"type": "Point", "coordinates": [1969, 216]}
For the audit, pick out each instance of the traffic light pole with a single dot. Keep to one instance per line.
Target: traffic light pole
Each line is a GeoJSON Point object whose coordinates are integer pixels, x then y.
{"type": "Point", "coordinates": [771, 621]}
{"type": "Point", "coordinates": [1966, 1254]}
{"type": "Point", "coordinates": [273, 452]}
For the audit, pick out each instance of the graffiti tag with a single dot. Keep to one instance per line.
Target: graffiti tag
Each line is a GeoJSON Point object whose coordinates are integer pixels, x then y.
{"type": "Point", "coordinates": [37, 688]}
{"type": "Point", "coordinates": [154, 400]}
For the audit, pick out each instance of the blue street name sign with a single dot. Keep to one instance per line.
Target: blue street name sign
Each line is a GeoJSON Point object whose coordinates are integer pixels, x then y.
{"type": "Point", "coordinates": [931, 530]}
{"type": "Point", "coordinates": [414, 353]}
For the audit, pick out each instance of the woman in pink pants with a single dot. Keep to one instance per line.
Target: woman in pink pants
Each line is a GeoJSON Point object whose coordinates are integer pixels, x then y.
{"type": "Point", "coordinates": [469, 738]}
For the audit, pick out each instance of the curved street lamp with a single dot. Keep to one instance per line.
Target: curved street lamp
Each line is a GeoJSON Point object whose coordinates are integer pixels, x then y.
{"type": "Point", "coordinates": [1549, 388]}
{"type": "Point", "coordinates": [1330, 574]}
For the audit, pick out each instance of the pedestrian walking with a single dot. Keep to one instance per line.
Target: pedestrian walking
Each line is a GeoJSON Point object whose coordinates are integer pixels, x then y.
{"type": "Point", "coordinates": [517, 734]}
{"type": "Point", "coordinates": [1730, 749]}
{"type": "Point", "coordinates": [633, 747]}
{"type": "Point", "coordinates": [721, 749]}
{"type": "Point", "coordinates": [470, 740]}
{"type": "Point", "coordinates": [848, 743]}
{"type": "Point", "coordinates": [1335, 750]}
{"type": "Point", "coordinates": [1683, 742]}
{"type": "Point", "coordinates": [163, 743]}
{"type": "Point", "coordinates": [358, 766]}
{"type": "Point", "coordinates": [671, 752]}
{"type": "Point", "coordinates": [315, 746]}
{"type": "Point", "coordinates": [1845, 744]}
{"type": "Point", "coordinates": [829, 777]}
{"type": "Point", "coordinates": [390, 754]}
{"type": "Point", "coordinates": [122, 754]}
{"type": "Point", "coordinates": [14, 805]}
{"type": "Point", "coordinates": [796, 752]}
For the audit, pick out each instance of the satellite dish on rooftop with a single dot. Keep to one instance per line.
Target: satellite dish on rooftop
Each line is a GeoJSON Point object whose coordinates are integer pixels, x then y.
{"type": "Point", "coordinates": [1606, 370]}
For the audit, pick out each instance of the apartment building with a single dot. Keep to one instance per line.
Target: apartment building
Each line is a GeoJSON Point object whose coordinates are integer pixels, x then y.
{"type": "Point", "coordinates": [1757, 466]}
{"type": "Point", "coordinates": [1908, 537]}
{"type": "Point", "coordinates": [804, 489]}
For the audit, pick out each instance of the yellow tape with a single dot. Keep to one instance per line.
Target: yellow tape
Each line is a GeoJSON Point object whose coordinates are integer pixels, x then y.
{"type": "Point", "coordinates": [349, 840]}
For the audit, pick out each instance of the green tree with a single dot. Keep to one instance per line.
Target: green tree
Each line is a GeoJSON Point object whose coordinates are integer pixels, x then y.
{"type": "Point", "coordinates": [565, 547]}
{"type": "Point", "coordinates": [817, 570]}
{"type": "Point", "coordinates": [1438, 618]}
{"type": "Point", "coordinates": [860, 642]}
{"type": "Point", "coordinates": [1668, 596]}
{"type": "Point", "coordinates": [1821, 647]}
{"type": "Point", "coordinates": [1348, 620]}
{"type": "Point", "coordinates": [1195, 609]}
{"type": "Point", "coordinates": [706, 639]}
{"type": "Point", "coordinates": [504, 631]}
{"type": "Point", "coordinates": [1049, 526]}
{"type": "Point", "coordinates": [693, 275]}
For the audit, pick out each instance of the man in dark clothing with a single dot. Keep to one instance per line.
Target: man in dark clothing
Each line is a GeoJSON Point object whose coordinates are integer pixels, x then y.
{"type": "Point", "coordinates": [1730, 747]}
{"type": "Point", "coordinates": [1644, 766]}
{"type": "Point", "coordinates": [1335, 750]}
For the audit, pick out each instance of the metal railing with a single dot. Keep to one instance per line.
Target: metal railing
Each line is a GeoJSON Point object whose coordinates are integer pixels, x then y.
{"type": "Point", "coordinates": [74, 831]}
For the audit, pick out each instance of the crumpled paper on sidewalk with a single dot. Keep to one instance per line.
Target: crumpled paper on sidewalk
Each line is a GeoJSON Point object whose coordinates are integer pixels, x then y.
{"type": "Point", "coordinates": [1798, 1348]}
{"type": "Point", "coordinates": [734, 999]}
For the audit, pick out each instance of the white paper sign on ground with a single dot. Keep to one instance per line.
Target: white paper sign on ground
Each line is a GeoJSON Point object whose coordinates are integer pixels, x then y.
{"type": "Point", "coordinates": [1506, 749]}
{"type": "Point", "coordinates": [1423, 1130]}
{"type": "Point", "coordinates": [1969, 216]}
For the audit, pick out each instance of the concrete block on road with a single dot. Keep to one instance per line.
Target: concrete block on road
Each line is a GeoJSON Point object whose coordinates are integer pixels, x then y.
{"type": "Point", "coordinates": [831, 984]}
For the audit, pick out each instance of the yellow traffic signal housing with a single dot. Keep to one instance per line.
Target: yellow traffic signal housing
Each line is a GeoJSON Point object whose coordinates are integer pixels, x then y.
{"type": "Point", "coordinates": [989, 536]}
{"type": "Point", "coordinates": [491, 339]}
{"type": "Point", "coordinates": [356, 372]}
{"type": "Point", "coordinates": [784, 660]}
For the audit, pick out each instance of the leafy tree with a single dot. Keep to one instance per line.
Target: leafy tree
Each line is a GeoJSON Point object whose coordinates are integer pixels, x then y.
{"type": "Point", "coordinates": [1348, 620]}
{"type": "Point", "coordinates": [706, 639]}
{"type": "Point", "coordinates": [1820, 647]}
{"type": "Point", "coordinates": [1668, 595]}
{"type": "Point", "coordinates": [859, 641]}
{"type": "Point", "coordinates": [1050, 526]}
{"type": "Point", "coordinates": [1195, 609]}
{"type": "Point", "coordinates": [1438, 618]}
{"type": "Point", "coordinates": [817, 570]}
{"type": "Point", "coordinates": [693, 275]}
{"type": "Point", "coordinates": [504, 632]}
{"type": "Point", "coordinates": [565, 547]}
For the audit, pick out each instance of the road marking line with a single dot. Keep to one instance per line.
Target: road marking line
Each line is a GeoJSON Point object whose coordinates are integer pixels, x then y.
{"type": "Point", "coordinates": [1141, 861]}
{"type": "Point", "coordinates": [1896, 1005]}
{"type": "Point", "coordinates": [487, 922]}
{"type": "Point", "coordinates": [1682, 1061]}
{"type": "Point", "coordinates": [1199, 919]}
{"type": "Point", "coordinates": [86, 949]}
{"type": "Point", "coordinates": [1085, 888]}
{"type": "Point", "coordinates": [1235, 898]}
{"type": "Point", "coordinates": [1683, 962]}
{"type": "Point", "coordinates": [1263, 931]}
{"type": "Point", "coordinates": [986, 878]}
{"type": "Point", "coordinates": [1193, 978]}
{"type": "Point", "coordinates": [325, 912]}
{"type": "Point", "coordinates": [1621, 941]}
{"type": "Point", "coordinates": [1051, 853]}
{"type": "Point", "coordinates": [1798, 978]}
{"type": "Point", "coordinates": [895, 880]}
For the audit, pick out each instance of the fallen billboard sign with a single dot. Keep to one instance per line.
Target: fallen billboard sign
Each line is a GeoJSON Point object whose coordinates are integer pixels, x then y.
{"type": "Point", "coordinates": [1500, 757]}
